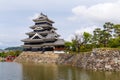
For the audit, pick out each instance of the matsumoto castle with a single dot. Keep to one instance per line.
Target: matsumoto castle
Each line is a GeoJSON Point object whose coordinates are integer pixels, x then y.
{"type": "Point", "coordinates": [43, 37]}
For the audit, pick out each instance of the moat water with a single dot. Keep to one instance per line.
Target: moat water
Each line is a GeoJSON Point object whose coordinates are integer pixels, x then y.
{"type": "Point", "coordinates": [17, 71]}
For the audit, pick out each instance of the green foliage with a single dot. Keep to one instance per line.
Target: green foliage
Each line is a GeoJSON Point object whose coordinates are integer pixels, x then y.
{"type": "Point", "coordinates": [3, 54]}
{"type": "Point", "coordinates": [87, 37]}
{"type": "Point", "coordinates": [96, 41]}
{"type": "Point", "coordinates": [10, 53]}
{"type": "Point", "coordinates": [108, 26]}
{"type": "Point", "coordinates": [117, 30]}
{"type": "Point", "coordinates": [68, 46]}
{"type": "Point", "coordinates": [86, 48]}
{"type": "Point", "coordinates": [101, 38]}
{"type": "Point", "coordinates": [114, 42]}
{"type": "Point", "coordinates": [108, 36]}
{"type": "Point", "coordinates": [79, 43]}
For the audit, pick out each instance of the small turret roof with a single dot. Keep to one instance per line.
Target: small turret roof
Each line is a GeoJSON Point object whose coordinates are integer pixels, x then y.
{"type": "Point", "coordinates": [42, 17]}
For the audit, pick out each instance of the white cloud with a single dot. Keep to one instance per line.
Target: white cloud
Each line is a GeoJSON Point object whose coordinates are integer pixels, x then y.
{"type": "Point", "coordinates": [100, 12]}
{"type": "Point", "coordinates": [96, 15]}
{"type": "Point", "coordinates": [86, 29]}
{"type": "Point", "coordinates": [81, 31]}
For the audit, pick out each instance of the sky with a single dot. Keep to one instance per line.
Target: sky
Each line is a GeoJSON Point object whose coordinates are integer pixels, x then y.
{"type": "Point", "coordinates": [70, 17]}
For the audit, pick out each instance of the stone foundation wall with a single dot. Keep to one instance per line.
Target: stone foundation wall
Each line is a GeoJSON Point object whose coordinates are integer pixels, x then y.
{"type": "Point", "coordinates": [37, 57]}
{"type": "Point", "coordinates": [98, 59]}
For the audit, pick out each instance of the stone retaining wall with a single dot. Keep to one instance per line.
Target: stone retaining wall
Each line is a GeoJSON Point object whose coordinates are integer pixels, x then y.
{"type": "Point", "coordinates": [98, 59]}
{"type": "Point", "coordinates": [37, 57]}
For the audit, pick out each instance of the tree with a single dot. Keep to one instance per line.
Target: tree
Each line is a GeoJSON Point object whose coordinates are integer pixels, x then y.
{"type": "Point", "coordinates": [77, 41]}
{"type": "Point", "coordinates": [107, 33]}
{"type": "Point", "coordinates": [96, 41]}
{"type": "Point", "coordinates": [115, 41]}
{"type": "Point", "coordinates": [102, 37]}
{"type": "Point", "coordinates": [81, 42]}
{"type": "Point", "coordinates": [117, 30]}
{"type": "Point", "coordinates": [108, 26]}
{"type": "Point", "coordinates": [68, 46]}
{"type": "Point", "coordinates": [87, 37]}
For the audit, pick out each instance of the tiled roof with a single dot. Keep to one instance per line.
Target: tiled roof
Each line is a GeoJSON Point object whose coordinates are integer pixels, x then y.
{"type": "Point", "coordinates": [42, 17]}
{"type": "Point", "coordinates": [58, 42]}
{"type": "Point", "coordinates": [52, 35]}
{"type": "Point", "coordinates": [43, 26]}
{"type": "Point", "coordinates": [38, 40]}
{"type": "Point", "coordinates": [32, 33]}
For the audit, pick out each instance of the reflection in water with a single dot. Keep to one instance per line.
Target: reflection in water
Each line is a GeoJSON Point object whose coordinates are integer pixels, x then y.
{"type": "Point", "coordinates": [48, 72]}
{"type": "Point", "coordinates": [39, 72]}
{"type": "Point", "coordinates": [57, 72]}
{"type": "Point", "coordinates": [15, 71]}
{"type": "Point", "coordinates": [10, 71]}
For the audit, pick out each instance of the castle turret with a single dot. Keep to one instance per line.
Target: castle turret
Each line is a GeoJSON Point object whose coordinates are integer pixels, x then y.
{"type": "Point", "coordinates": [43, 37]}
